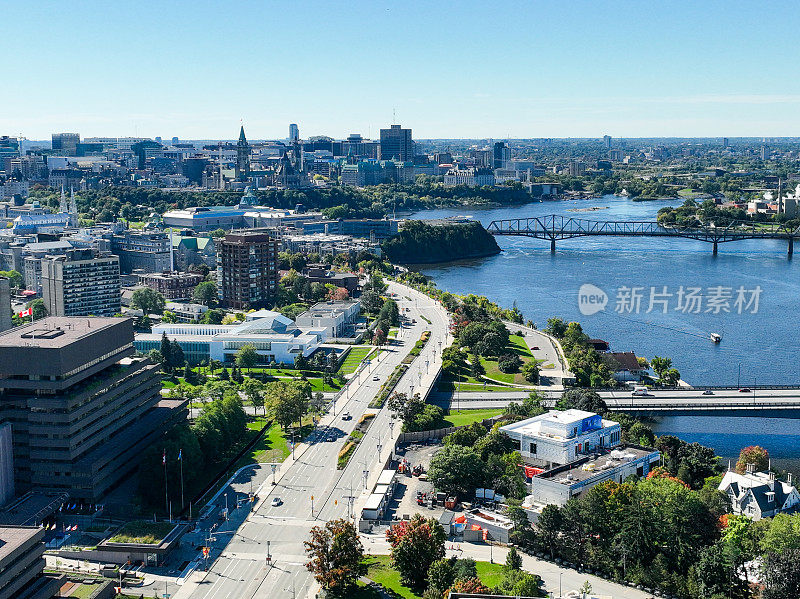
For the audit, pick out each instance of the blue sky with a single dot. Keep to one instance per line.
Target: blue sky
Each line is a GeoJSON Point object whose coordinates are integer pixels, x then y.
{"type": "Point", "coordinates": [449, 69]}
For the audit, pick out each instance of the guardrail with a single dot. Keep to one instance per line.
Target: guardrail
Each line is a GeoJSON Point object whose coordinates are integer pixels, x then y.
{"type": "Point", "coordinates": [626, 404]}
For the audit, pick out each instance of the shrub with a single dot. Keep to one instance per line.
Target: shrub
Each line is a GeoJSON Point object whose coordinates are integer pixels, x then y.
{"type": "Point", "coordinates": [508, 363]}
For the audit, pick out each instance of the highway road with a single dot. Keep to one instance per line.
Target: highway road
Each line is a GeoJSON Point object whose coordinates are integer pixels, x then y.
{"type": "Point", "coordinates": [239, 569]}
{"type": "Point", "coordinates": [658, 400]}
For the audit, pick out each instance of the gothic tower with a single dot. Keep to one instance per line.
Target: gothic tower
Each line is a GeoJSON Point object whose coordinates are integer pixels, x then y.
{"type": "Point", "coordinates": [242, 156]}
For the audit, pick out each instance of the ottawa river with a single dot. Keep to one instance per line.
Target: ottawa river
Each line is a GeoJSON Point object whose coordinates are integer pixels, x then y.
{"type": "Point", "coordinates": [764, 344]}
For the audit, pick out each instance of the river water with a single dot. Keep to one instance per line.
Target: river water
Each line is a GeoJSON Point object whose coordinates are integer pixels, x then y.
{"type": "Point", "coordinates": [759, 342]}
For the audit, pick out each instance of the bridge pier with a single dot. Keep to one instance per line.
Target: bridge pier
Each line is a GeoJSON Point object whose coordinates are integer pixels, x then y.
{"type": "Point", "coordinates": [553, 246]}
{"type": "Point", "coordinates": [791, 247]}
{"type": "Point", "coordinates": [715, 248]}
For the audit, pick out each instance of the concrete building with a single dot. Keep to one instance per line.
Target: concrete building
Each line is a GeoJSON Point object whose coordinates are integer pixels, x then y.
{"type": "Point", "coordinates": [247, 269]}
{"type": "Point", "coordinates": [335, 319]}
{"type": "Point", "coordinates": [759, 494]}
{"type": "Point", "coordinates": [148, 251]}
{"type": "Point", "coordinates": [294, 133]}
{"type": "Point", "coordinates": [172, 285]}
{"type": "Point", "coordinates": [560, 437]}
{"type": "Point", "coordinates": [66, 144]}
{"type": "Point", "coordinates": [5, 305]}
{"type": "Point", "coordinates": [22, 564]}
{"type": "Point", "coordinates": [396, 143]}
{"type": "Point", "coordinates": [471, 176]}
{"type": "Point", "coordinates": [82, 408]}
{"type": "Point", "coordinates": [81, 283]}
{"type": "Point", "coordinates": [275, 338]}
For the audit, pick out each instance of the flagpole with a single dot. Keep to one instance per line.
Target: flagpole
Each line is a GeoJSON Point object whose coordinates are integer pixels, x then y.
{"type": "Point", "coordinates": [166, 491]}
{"type": "Point", "coordinates": [180, 459]}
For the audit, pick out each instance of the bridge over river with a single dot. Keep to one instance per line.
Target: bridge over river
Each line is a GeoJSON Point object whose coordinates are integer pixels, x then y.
{"type": "Point", "coordinates": [774, 402]}
{"type": "Point", "coordinates": [555, 227]}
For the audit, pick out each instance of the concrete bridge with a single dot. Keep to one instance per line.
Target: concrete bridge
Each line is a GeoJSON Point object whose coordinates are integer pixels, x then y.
{"type": "Point", "coordinates": [555, 227]}
{"type": "Point", "coordinates": [774, 402]}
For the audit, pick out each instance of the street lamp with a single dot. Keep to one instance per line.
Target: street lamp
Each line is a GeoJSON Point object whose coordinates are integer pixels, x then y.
{"type": "Point", "coordinates": [379, 451]}
{"type": "Point", "coordinates": [391, 429]}
{"type": "Point", "coordinates": [227, 512]}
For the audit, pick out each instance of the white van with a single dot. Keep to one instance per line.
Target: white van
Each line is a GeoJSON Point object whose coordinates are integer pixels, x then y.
{"type": "Point", "coordinates": [640, 391]}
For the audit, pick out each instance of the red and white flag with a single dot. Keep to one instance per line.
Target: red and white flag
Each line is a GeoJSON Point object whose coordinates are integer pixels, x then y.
{"type": "Point", "coordinates": [24, 313]}
{"type": "Point", "coordinates": [164, 458]}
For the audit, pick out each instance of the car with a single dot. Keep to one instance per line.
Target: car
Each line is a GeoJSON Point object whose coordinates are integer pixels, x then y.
{"type": "Point", "coordinates": [330, 438]}
{"type": "Point", "coordinates": [535, 348]}
{"type": "Point", "coordinates": [744, 390]}
{"type": "Point", "coordinates": [276, 501]}
{"type": "Point", "coordinates": [346, 416]}
{"type": "Point", "coordinates": [708, 392]}
{"type": "Point", "coordinates": [641, 392]}
{"type": "Point", "coordinates": [376, 378]}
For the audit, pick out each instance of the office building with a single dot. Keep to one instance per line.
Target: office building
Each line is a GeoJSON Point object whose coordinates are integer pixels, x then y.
{"type": "Point", "coordinates": [5, 304]}
{"type": "Point", "coordinates": [247, 269]}
{"type": "Point", "coordinates": [172, 285]}
{"type": "Point", "coordinates": [137, 250]}
{"type": "Point", "coordinates": [336, 319]}
{"type": "Point", "coordinates": [66, 144]}
{"type": "Point", "coordinates": [82, 407]}
{"type": "Point", "coordinates": [501, 154]}
{"type": "Point", "coordinates": [396, 144]}
{"type": "Point", "coordinates": [22, 564]}
{"type": "Point", "coordinates": [294, 133]}
{"type": "Point", "coordinates": [607, 141]}
{"type": "Point", "coordinates": [81, 282]}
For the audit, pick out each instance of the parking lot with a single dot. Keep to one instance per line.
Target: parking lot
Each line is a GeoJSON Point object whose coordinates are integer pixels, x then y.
{"type": "Point", "coordinates": [405, 497]}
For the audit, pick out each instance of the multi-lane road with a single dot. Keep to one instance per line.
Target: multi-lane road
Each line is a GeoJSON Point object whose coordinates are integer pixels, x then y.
{"type": "Point", "coordinates": [239, 569]}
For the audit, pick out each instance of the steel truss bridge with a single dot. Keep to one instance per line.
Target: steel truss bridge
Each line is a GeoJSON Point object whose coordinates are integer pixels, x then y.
{"type": "Point", "coordinates": [555, 227]}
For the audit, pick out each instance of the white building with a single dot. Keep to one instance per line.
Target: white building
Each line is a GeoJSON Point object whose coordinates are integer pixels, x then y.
{"type": "Point", "coordinates": [334, 318]}
{"type": "Point", "coordinates": [275, 338]}
{"type": "Point", "coordinates": [758, 494]}
{"type": "Point", "coordinates": [561, 437]}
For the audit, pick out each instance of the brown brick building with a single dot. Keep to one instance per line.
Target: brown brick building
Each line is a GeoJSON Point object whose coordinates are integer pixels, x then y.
{"type": "Point", "coordinates": [247, 269]}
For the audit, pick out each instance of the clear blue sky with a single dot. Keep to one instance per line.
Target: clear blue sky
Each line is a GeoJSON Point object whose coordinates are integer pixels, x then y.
{"type": "Point", "coordinates": [450, 69]}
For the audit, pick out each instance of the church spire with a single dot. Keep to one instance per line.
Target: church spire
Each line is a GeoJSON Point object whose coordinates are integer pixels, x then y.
{"type": "Point", "coordinates": [242, 138]}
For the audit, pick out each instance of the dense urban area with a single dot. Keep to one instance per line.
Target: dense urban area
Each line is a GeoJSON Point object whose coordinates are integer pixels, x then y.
{"type": "Point", "coordinates": [222, 376]}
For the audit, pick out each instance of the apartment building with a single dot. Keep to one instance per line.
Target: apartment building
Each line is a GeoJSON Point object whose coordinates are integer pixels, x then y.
{"type": "Point", "coordinates": [81, 282]}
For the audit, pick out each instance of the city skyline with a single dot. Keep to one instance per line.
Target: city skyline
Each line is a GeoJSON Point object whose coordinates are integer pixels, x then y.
{"type": "Point", "coordinates": [578, 70]}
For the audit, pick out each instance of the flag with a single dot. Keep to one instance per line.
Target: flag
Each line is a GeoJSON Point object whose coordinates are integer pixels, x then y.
{"type": "Point", "coordinates": [180, 454]}
{"type": "Point", "coordinates": [164, 457]}
{"type": "Point", "coordinates": [24, 313]}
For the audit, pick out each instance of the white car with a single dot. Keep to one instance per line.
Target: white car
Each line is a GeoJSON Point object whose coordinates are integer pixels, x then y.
{"type": "Point", "coordinates": [376, 378]}
{"type": "Point", "coordinates": [346, 416]}
{"type": "Point", "coordinates": [276, 501]}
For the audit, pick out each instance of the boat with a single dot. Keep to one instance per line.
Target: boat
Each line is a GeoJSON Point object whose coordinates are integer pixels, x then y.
{"type": "Point", "coordinates": [716, 337]}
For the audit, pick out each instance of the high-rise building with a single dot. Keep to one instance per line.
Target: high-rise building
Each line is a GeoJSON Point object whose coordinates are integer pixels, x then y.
{"type": "Point", "coordinates": [764, 152]}
{"type": "Point", "coordinates": [139, 250]}
{"type": "Point", "coordinates": [5, 304]}
{"type": "Point", "coordinates": [66, 144]}
{"type": "Point", "coordinates": [82, 282]}
{"type": "Point", "coordinates": [396, 143]}
{"type": "Point", "coordinates": [501, 154]}
{"type": "Point", "coordinates": [82, 407]}
{"type": "Point", "coordinates": [607, 141]}
{"type": "Point", "coordinates": [294, 133]}
{"type": "Point", "coordinates": [22, 564]}
{"type": "Point", "coordinates": [242, 156]}
{"type": "Point", "coordinates": [247, 269]}
{"type": "Point", "coordinates": [725, 142]}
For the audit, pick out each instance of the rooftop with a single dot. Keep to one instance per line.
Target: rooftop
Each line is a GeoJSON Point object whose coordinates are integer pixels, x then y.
{"type": "Point", "coordinates": [14, 537]}
{"type": "Point", "coordinates": [558, 424]}
{"type": "Point", "coordinates": [55, 332]}
{"type": "Point", "coordinates": [589, 466]}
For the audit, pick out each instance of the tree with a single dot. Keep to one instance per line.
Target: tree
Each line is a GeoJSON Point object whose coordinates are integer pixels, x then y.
{"type": "Point", "coordinates": [549, 525]}
{"type": "Point", "coordinates": [582, 399]}
{"type": "Point", "coordinates": [781, 575]}
{"type": "Point", "coordinates": [456, 469]}
{"type": "Point", "coordinates": [530, 372]}
{"type": "Point", "coordinates": [518, 583]}
{"type": "Point", "coordinates": [335, 553]}
{"type": "Point", "coordinates": [149, 301]}
{"type": "Point", "coordinates": [206, 293]}
{"type": "Point", "coordinates": [508, 363]}
{"type": "Point", "coordinates": [38, 308]}
{"type": "Point", "coordinates": [441, 576]}
{"type": "Point", "coordinates": [166, 352]}
{"type": "Point", "coordinates": [254, 390]}
{"type": "Point", "coordinates": [753, 454]}
{"type": "Point", "coordinates": [416, 544]}
{"type": "Point", "coordinates": [15, 279]}
{"type": "Point", "coordinates": [513, 560]}
{"type": "Point", "coordinates": [371, 301]}
{"type": "Point", "coordinates": [288, 401]}
{"type": "Point", "coordinates": [247, 356]}
{"type": "Point", "coordinates": [176, 356]}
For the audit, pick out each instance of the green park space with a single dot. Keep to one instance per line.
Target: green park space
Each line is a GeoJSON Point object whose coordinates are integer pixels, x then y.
{"type": "Point", "coordinates": [464, 417]}
{"type": "Point", "coordinates": [379, 569]}
{"type": "Point", "coordinates": [354, 357]}
{"type": "Point", "coordinates": [516, 346]}
{"type": "Point", "coordinates": [140, 531]}
{"type": "Point", "coordinates": [274, 444]}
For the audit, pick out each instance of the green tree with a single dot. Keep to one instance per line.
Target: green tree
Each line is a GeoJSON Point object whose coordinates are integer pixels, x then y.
{"type": "Point", "coordinates": [213, 316]}
{"type": "Point", "coordinates": [513, 560]}
{"type": "Point", "coordinates": [38, 307]}
{"type": "Point", "coordinates": [335, 556]}
{"type": "Point", "coordinates": [582, 399]}
{"type": "Point", "coordinates": [149, 301]}
{"type": "Point", "coordinates": [247, 356]}
{"type": "Point", "coordinates": [781, 574]}
{"type": "Point", "coordinates": [166, 352]}
{"type": "Point", "coordinates": [254, 390]}
{"type": "Point", "coordinates": [549, 526]}
{"type": "Point", "coordinates": [415, 545]}
{"type": "Point", "coordinates": [530, 371]}
{"type": "Point", "coordinates": [456, 469]}
{"type": "Point", "coordinates": [206, 293]}
{"type": "Point", "coordinates": [15, 279]}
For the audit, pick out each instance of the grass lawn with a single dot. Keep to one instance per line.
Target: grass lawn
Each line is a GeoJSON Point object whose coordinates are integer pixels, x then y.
{"type": "Point", "coordinates": [516, 345]}
{"type": "Point", "coordinates": [476, 386]}
{"type": "Point", "coordinates": [462, 417]}
{"type": "Point", "coordinates": [354, 357]}
{"type": "Point", "coordinates": [83, 591]}
{"type": "Point", "coordinates": [274, 445]}
{"type": "Point", "coordinates": [142, 532]}
{"type": "Point", "coordinates": [381, 572]}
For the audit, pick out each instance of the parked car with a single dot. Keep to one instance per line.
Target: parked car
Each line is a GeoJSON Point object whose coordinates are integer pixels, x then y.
{"type": "Point", "coordinates": [276, 501]}
{"type": "Point", "coordinates": [376, 378]}
{"type": "Point", "coordinates": [346, 416]}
